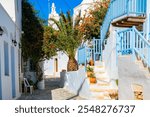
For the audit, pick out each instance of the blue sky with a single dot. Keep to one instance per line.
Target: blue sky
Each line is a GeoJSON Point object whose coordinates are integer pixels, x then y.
{"type": "Point", "coordinates": [61, 5]}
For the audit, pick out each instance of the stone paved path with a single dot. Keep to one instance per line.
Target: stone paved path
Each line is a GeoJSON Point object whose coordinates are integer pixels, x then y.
{"type": "Point", "coordinates": [52, 92]}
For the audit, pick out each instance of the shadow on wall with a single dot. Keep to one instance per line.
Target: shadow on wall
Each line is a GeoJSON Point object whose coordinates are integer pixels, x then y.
{"type": "Point", "coordinates": [76, 82]}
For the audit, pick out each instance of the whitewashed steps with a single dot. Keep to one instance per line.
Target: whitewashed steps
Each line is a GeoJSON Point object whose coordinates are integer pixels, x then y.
{"type": "Point", "coordinates": [100, 88]}
{"type": "Point", "coordinates": [102, 83]}
{"type": "Point", "coordinates": [99, 63]}
{"type": "Point", "coordinates": [104, 88]}
{"type": "Point", "coordinates": [100, 96]}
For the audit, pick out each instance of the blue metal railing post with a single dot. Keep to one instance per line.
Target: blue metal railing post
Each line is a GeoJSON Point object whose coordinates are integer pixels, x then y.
{"type": "Point", "coordinates": [117, 46]}
{"type": "Point", "coordinates": [127, 7]}
{"type": "Point", "coordinates": [133, 42]}
{"type": "Point", "coordinates": [149, 56]}
{"type": "Point", "coordinates": [94, 49]}
{"type": "Point", "coordinates": [101, 44]}
{"type": "Point", "coordinates": [78, 55]}
{"type": "Point", "coordinates": [85, 50]}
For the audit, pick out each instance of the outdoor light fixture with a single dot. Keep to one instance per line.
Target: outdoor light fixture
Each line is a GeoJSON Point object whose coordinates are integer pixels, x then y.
{"type": "Point", "coordinates": [14, 42]}
{"type": "Point", "coordinates": [1, 31]}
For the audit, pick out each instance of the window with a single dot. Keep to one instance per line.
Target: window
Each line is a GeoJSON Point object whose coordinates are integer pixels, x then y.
{"type": "Point", "coordinates": [6, 59]}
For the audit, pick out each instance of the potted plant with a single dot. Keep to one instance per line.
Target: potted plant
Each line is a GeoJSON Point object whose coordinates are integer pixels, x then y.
{"type": "Point", "coordinates": [89, 70]}
{"type": "Point", "coordinates": [92, 78]}
{"type": "Point", "coordinates": [91, 62]}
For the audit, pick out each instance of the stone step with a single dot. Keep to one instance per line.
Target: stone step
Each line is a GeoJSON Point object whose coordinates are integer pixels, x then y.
{"type": "Point", "coordinates": [96, 94]}
{"type": "Point", "coordinates": [99, 63]}
{"type": "Point", "coordinates": [99, 87]}
{"type": "Point", "coordinates": [99, 67]}
{"type": "Point", "coordinates": [100, 71]}
{"type": "Point", "coordinates": [101, 97]}
{"type": "Point", "coordinates": [102, 79]}
{"type": "Point", "coordinates": [101, 75]}
{"type": "Point", "coordinates": [103, 83]}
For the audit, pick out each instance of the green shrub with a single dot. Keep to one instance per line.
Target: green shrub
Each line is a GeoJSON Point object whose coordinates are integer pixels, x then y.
{"type": "Point", "coordinates": [89, 69]}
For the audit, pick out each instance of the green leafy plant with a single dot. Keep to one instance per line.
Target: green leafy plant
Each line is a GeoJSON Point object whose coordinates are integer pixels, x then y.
{"type": "Point", "coordinates": [92, 75]}
{"type": "Point", "coordinates": [67, 38]}
{"type": "Point", "coordinates": [89, 69]}
{"type": "Point", "coordinates": [93, 19]}
{"type": "Point", "coordinates": [32, 38]}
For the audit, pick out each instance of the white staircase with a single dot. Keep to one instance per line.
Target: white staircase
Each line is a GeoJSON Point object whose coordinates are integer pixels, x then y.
{"type": "Point", "coordinates": [105, 88]}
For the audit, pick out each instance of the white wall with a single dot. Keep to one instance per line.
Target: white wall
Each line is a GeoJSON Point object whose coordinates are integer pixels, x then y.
{"type": "Point", "coordinates": [109, 55]}
{"type": "Point", "coordinates": [76, 82]}
{"type": "Point", "coordinates": [9, 6]}
{"type": "Point", "coordinates": [9, 32]}
{"type": "Point", "coordinates": [84, 8]}
{"type": "Point", "coordinates": [49, 65]}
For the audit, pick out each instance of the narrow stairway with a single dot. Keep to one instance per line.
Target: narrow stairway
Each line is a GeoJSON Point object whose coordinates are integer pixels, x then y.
{"type": "Point", "coordinates": [105, 88]}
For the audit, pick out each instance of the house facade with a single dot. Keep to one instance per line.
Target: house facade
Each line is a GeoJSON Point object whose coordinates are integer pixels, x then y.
{"type": "Point", "coordinates": [83, 7]}
{"type": "Point", "coordinates": [10, 53]}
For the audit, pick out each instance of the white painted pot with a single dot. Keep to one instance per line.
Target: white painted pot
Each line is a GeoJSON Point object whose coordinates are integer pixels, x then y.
{"type": "Point", "coordinates": [41, 85]}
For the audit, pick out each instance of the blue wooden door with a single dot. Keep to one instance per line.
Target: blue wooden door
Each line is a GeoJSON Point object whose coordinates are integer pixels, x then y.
{"type": "Point", "coordinates": [13, 72]}
{"type": "Point", "coordinates": [0, 78]}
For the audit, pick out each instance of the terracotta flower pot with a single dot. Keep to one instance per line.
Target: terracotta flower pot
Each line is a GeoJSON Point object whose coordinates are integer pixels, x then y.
{"type": "Point", "coordinates": [91, 63]}
{"type": "Point", "coordinates": [92, 80]}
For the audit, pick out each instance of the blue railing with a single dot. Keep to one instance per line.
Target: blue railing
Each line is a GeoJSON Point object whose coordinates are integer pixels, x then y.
{"type": "Point", "coordinates": [97, 49]}
{"type": "Point", "coordinates": [118, 8]}
{"type": "Point", "coordinates": [125, 41]}
{"type": "Point", "coordinates": [131, 41]}
{"type": "Point", "coordinates": [84, 55]}
{"type": "Point", "coordinates": [141, 47]}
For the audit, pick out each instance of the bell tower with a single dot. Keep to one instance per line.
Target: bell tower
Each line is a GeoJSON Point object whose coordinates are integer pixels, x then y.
{"type": "Point", "coordinates": [53, 14]}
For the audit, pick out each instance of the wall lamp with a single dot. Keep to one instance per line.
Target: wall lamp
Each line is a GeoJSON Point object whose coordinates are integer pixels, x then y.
{"type": "Point", "coordinates": [1, 31]}
{"type": "Point", "coordinates": [14, 42]}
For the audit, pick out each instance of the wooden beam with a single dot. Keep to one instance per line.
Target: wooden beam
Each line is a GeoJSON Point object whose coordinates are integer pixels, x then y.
{"type": "Point", "coordinates": [129, 21]}
{"type": "Point", "coordinates": [135, 20]}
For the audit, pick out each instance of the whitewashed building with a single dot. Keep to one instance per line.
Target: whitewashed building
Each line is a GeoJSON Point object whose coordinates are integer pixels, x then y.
{"type": "Point", "coordinates": [10, 54]}
{"type": "Point", "coordinates": [83, 7]}
{"type": "Point", "coordinates": [56, 64]}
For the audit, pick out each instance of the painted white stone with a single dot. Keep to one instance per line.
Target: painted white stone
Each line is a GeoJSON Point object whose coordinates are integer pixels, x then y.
{"type": "Point", "coordinates": [76, 82]}
{"type": "Point", "coordinates": [109, 55]}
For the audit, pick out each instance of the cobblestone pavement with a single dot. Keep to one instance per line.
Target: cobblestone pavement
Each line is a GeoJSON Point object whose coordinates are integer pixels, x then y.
{"type": "Point", "coordinates": [52, 92]}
